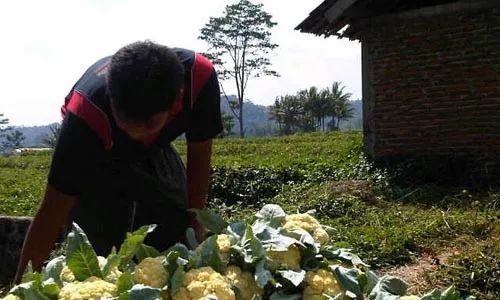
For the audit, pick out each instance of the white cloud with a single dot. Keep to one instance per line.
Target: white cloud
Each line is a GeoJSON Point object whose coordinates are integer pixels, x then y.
{"type": "Point", "coordinates": [46, 46]}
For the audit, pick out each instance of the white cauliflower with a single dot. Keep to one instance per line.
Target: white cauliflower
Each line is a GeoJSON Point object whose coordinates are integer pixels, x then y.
{"type": "Point", "coordinates": [150, 271]}
{"type": "Point", "coordinates": [410, 297]}
{"type": "Point", "coordinates": [11, 297]}
{"type": "Point", "coordinates": [307, 223]}
{"type": "Point", "coordinates": [68, 276]}
{"type": "Point", "coordinates": [290, 258]}
{"type": "Point", "coordinates": [92, 288]}
{"type": "Point", "coordinates": [319, 283]}
{"type": "Point", "coordinates": [224, 243]}
{"type": "Point", "coordinates": [321, 236]}
{"type": "Point", "coordinates": [245, 282]}
{"type": "Point", "coordinates": [199, 283]}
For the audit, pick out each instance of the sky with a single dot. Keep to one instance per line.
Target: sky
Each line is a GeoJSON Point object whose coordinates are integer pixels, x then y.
{"type": "Point", "coordinates": [47, 45]}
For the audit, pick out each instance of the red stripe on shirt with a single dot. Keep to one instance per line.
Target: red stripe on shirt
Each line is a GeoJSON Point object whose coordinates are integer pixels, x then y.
{"type": "Point", "coordinates": [63, 111]}
{"type": "Point", "coordinates": [95, 118]}
{"type": "Point", "coordinates": [200, 73]}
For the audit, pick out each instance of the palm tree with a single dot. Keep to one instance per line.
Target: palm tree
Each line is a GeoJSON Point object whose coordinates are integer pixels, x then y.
{"type": "Point", "coordinates": [310, 99]}
{"type": "Point", "coordinates": [276, 114]}
{"type": "Point", "coordinates": [3, 120]}
{"type": "Point", "coordinates": [344, 111]}
{"type": "Point", "coordinates": [288, 112]}
{"type": "Point", "coordinates": [227, 125]}
{"type": "Point", "coordinates": [307, 98]}
{"type": "Point", "coordinates": [293, 113]}
{"type": "Point", "coordinates": [3, 127]}
{"type": "Point", "coordinates": [50, 139]}
{"type": "Point", "coordinates": [339, 108]}
{"type": "Point", "coordinates": [323, 107]}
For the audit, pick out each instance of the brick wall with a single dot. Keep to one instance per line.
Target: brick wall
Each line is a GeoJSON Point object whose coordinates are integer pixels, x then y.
{"type": "Point", "coordinates": [435, 84]}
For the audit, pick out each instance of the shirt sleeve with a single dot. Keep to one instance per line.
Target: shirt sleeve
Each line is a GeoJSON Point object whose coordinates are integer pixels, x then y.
{"type": "Point", "coordinates": [205, 122]}
{"type": "Point", "coordinates": [76, 155]}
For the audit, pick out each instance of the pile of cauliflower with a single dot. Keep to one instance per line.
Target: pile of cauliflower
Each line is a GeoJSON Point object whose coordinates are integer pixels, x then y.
{"type": "Point", "coordinates": [272, 256]}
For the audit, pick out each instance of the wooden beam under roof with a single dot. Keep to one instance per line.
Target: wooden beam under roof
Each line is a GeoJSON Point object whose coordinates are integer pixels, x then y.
{"type": "Point", "coordinates": [338, 9]}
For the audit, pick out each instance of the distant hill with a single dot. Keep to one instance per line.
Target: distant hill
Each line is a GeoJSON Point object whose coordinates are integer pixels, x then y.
{"type": "Point", "coordinates": [256, 122]}
{"type": "Point", "coordinates": [255, 118]}
{"type": "Point", "coordinates": [34, 134]}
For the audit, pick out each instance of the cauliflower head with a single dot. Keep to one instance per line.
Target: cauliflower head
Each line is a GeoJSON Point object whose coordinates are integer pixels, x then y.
{"type": "Point", "coordinates": [319, 283]}
{"type": "Point", "coordinates": [199, 283]}
{"type": "Point", "coordinates": [11, 297]}
{"type": "Point", "coordinates": [320, 235]}
{"type": "Point", "coordinates": [68, 276]}
{"type": "Point", "coordinates": [224, 243]}
{"type": "Point", "coordinates": [308, 223]}
{"type": "Point", "coordinates": [150, 271]}
{"type": "Point", "coordinates": [92, 288]}
{"type": "Point", "coordinates": [410, 297]}
{"type": "Point", "coordinates": [290, 258]}
{"type": "Point", "coordinates": [245, 282]}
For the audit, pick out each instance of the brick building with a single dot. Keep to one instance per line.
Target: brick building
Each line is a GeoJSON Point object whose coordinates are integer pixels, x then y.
{"type": "Point", "coordinates": [431, 77]}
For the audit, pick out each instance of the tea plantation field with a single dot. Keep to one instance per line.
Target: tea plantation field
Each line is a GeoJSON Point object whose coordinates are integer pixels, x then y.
{"type": "Point", "coordinates": [389, 225]}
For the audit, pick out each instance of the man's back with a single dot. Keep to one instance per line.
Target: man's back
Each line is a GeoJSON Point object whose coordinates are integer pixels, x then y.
{"type": "Point", "coordinates": [114, 166]}
{"type": "Point", "coordinates": [112, 174]}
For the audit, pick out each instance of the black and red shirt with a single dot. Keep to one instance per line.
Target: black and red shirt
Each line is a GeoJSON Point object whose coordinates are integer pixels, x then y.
{"type": "Point", "coordinates": [90, 140]}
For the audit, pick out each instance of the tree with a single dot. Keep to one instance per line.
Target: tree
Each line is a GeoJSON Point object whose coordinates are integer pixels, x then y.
{"type": "Point", "coordinates": [239, 47]}
{"type": "Point", "coordinates": [276, 114]}
{"type": "Point", "coordinates": [309, 97]}
{"type": "Point", "coordinates": [323, 107]}
{"type": "Point", "coordinates": [317, 105]}
{"type": "Point", "coordinates": [227, 125]}
{"type": "Point", "coordinates": [50, 139]}
{"type": "Point", "coordinates": [293, 113]}
{"type": "Point", "coordinates": [290, 110]}
{"type": "Point", "coordinates": [13, 140]}
{"type": "Point", "coordinates": [339, 107]}
{"type": "Point", "coordinates": [3, 120]}
{"type": "Point", "coordinates": [344, 111]}
{"type": "Point", "coordinates": [3, 128]}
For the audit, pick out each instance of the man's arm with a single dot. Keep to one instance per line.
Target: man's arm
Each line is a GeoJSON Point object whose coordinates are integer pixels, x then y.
{"type": "Point", "coordinates": [198, 173]}
{"type": "Point", "coordinates": [44, 230]}
{"type": "Point", "coordinates": [205, 124]}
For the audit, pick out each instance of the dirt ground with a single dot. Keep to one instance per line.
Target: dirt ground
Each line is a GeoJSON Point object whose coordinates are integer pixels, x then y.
{"type": "Point", "coordinates": [418, 275]}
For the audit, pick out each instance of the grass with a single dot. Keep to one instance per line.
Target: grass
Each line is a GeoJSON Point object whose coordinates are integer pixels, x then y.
{"type": "Point", "coordinates": [387, 224]}
{"type": "Point", "coordinates": [331, 147]}
{"type": "Point", "coordinates": [476, 270]}
{"type": "Point", "coordinates": [22, 183]}
{"type": "Point", "coordinates": [23, 178]}
{"type": "Point", "coordinates": [21, 190]}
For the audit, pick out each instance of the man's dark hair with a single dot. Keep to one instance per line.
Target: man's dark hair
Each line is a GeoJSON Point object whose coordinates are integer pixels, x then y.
{"type": "Point", "coordinates": [144, 79]}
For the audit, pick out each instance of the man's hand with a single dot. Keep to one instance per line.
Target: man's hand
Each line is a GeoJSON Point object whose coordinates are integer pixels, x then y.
{"type": "Point", "coordinates": [199, 230]}
{"type": "Point", "coordinates": [198, 173]}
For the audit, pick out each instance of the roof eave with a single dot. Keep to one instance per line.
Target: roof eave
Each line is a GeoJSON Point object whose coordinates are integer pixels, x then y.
{"type": "Point", "coordinates": [327, 17]}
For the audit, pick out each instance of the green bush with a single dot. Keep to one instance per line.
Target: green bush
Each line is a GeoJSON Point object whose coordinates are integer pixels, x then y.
{"type": "Point", "coordinates": [250, 186]}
